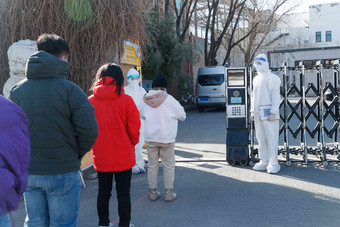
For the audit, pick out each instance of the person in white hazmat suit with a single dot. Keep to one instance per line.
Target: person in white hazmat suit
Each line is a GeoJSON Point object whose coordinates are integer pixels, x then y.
{"type": "Point", "coordinates": [137, 93]}
{"type": "Point", "coordinates": [265, 105]}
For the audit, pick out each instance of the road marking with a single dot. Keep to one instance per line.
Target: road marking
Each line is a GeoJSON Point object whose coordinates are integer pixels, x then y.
{"type": "Point", "coordinates": [133, 206]}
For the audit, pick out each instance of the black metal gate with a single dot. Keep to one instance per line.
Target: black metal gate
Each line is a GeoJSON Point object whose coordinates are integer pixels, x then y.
{"type": "Point", "coordinates": [310, 114]}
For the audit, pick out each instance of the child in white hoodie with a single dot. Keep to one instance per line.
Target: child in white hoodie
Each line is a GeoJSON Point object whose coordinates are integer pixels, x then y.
{"type": "Point", "coordinates": [161, 113]}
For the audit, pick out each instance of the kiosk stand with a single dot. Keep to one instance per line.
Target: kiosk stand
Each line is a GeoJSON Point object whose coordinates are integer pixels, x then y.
{"type": "Point", "coordinates": [237, 115]}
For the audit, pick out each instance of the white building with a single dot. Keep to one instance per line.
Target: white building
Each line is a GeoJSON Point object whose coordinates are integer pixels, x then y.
{"type": "Point", "coordinates": [294, 28]}
{"type": "Point", "coordinates": [309, 37]}
{"type": "Point", "coordinates": [324, 26]}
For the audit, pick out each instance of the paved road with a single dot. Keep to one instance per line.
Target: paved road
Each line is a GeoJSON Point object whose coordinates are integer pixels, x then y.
{"type": "Point", "coordinates": [216, 194]}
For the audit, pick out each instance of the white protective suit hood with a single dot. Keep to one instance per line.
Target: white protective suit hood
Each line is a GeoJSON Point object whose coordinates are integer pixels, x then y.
{"type": "Point", "coordinates": [133, 78]}
{"type": "Point", "coordinates": [133, 89]}
{"type": "Point", "coordinates": [261, 64]}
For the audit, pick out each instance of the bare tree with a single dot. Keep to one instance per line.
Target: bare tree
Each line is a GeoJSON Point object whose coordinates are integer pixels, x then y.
{"type": "Point", "coordinates": [264, 22]}
{"type": "Point", "coordinates": [222, 19]}
{"type": "Point", "coordinates": [86, 27]}
{"type": "Point", "coordinates": [231, 39]}
{"type": "Point", "coordinates": [183, 16]}
{"type": "Point", "coordinates": [166, 6]}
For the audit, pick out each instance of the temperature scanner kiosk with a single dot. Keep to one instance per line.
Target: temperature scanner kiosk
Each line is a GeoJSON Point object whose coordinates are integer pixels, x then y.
{"type": "Point", "coordinates": [237, 115]}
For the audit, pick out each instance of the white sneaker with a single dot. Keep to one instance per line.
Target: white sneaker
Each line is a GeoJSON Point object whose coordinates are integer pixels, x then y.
{"type": "Point", "coordinates": [135, 170]}
{"type": "Point", "coordinates": [141, 169]}
{"type": "Point", "coordinates": [260, 166]}
{"type": "Point", "coordinates": [273, 168]}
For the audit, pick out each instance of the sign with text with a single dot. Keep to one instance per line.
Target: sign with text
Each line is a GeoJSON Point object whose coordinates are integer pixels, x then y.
{"type": "Point", "coordinates": [131, 54]}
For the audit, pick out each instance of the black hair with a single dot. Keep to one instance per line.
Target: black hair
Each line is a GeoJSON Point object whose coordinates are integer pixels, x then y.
{"type": "Point", "coordinates": [110, 70]}
{"type": "Point", "coordinates": [53, 44]}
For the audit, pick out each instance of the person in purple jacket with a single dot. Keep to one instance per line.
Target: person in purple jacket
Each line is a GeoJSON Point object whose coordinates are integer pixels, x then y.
{"type": "Point", "coordinates": [14, 157]}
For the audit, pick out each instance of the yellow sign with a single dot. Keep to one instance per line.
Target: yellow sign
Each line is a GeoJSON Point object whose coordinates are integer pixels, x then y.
{"type": "Point", "coordinates": [86, 162]}
{"type": "Point", "coordinates": [131, 54]}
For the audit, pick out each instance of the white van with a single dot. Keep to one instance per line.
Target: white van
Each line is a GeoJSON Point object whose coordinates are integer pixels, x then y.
{"type": "Point", "coordinates": [210, 87]}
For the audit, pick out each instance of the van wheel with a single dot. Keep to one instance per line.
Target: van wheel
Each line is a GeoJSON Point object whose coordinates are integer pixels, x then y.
{"type": "Point", "coordinates": [200, 108]}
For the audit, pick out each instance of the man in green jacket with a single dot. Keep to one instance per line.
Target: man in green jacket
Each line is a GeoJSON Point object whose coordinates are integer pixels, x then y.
{"type": "Point", "coordinates": [62, 128]}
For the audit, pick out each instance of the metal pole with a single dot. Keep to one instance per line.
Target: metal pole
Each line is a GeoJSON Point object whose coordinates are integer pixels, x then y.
{"type": "Point", "coordinates": [323, 142]}
{"type": "Point", "coordinates": [337, 105]}
{"type": "Point", "coordinates": [252, 160]}
{"type": "Point", "coordinates": [302, 95]}
{"type": "Point", "coordinates": [318, 89]}
{"type": "Point", "coordinates": [337, 86]}
{"type": "Point", "coordinates": [335, 75]}
{"type": "Point", "coordinates": [303, 115]}
{"type": "Point", "coordinates": [286, 141]}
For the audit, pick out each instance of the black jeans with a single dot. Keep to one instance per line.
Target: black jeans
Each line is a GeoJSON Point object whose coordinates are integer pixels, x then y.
{"type": "Point", "coordinates": [123, 183]}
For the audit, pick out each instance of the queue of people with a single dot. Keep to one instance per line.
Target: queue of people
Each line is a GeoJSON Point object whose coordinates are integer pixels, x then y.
{"type": "Point", "coordinates": [48, 125]}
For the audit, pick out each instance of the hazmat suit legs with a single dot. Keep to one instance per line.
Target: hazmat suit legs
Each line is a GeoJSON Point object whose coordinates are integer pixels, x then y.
{"type": "Point", "coordinates": [139, 167]}
{"type": "Point", "coordinates": [267, 134]}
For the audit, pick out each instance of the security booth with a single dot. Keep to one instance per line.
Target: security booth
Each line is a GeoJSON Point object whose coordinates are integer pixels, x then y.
{"type": "Point", "coordinates": [237, 115]}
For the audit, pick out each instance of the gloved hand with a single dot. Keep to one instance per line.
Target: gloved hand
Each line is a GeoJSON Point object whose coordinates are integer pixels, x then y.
{"type": "Point", "coordinates": [272, 117]}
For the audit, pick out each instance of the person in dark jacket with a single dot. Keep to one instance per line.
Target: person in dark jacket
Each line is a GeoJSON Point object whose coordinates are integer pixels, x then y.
{"type": "Point", "coordinates": [113, 153]}
{"type": "Point", "coordinates": [14, 157]}
{"type": "Point", "coordinates": [62, 128]}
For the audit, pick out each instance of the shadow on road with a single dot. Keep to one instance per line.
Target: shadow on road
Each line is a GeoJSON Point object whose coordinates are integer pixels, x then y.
{"type": "Point", "coordinates": [215, 194]}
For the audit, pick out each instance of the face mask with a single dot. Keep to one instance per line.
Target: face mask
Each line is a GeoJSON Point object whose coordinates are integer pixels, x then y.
{"type": "Point", "coordinates": [259, 66]}
{"type": "Point", "coordinates": [134, 83]}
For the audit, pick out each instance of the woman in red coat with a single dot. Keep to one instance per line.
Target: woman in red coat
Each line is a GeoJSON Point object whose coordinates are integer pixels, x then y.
{"type": "Point", "coordinates": [118, 132]}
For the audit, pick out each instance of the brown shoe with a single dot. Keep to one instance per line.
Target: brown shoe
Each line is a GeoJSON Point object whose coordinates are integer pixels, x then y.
{"type": "Point", "coordinates": [154, 194]}
{"type": "Point", "coordinates": [169, 195]}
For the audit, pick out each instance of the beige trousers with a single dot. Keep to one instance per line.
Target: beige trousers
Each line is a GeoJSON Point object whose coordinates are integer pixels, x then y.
{"type": "Point", "coordinates": [166, 152]}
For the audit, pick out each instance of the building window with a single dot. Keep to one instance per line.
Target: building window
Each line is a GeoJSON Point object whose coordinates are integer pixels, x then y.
{"type": "Point", "coordinates": [318, 37]}
{"type": "Point", "coordinates": [328, 36]}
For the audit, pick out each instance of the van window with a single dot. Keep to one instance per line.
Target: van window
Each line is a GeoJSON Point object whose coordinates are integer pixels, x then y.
{"type": "Point", "coordinates": [211, 79]}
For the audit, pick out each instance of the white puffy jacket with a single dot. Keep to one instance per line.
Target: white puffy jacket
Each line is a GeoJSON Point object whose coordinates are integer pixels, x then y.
{"type": "Point", "coordinates": [161, 113]}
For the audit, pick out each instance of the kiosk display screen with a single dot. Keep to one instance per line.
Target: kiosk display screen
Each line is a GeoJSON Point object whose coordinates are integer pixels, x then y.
{"type": "Point", "coordinates": [236, 77]}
